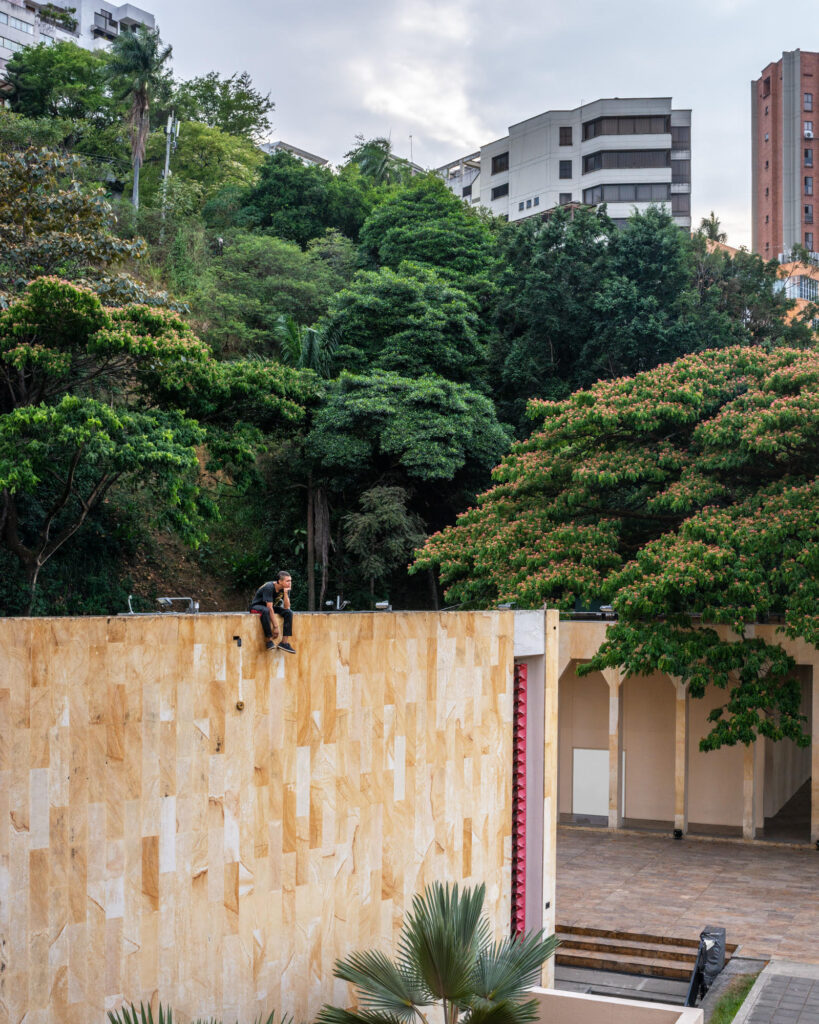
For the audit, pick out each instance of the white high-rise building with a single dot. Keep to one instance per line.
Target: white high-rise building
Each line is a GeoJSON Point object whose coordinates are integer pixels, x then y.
{"type": "Point", "coordinates": [93, 25]}
{"type": "Point", "coordinates": [627, 153]}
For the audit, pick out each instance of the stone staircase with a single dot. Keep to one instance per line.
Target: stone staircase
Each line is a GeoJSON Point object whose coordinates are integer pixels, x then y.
{"type": "Point", "coordinates": [651, 956]}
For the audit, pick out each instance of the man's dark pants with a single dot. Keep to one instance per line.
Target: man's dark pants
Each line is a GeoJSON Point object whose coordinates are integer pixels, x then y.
{"type": "Point", "coordinates": [285, 614]}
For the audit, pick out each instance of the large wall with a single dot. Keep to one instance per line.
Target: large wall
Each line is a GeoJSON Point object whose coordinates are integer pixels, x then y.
{"type": "Point", "coordinates": [156, 839]}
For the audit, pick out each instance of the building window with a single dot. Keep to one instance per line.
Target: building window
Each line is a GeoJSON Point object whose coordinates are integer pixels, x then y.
{"type": "Point", "coordinates": [466, 191]}
{"type": "Point", "coordinates": [500, 191]}
{"type": "Point", "coordinates": [766, 110]}
{"type": "Point", "coordinates": [808, 101]}
{"type": "Point", "coordinates": [680, 136]}
{"type": "Point", "coordinates": [808, 158]}
{"type": "Point", "coordinates": [528, 204]}
{"type": "Point", "coordinates": [766, 136]}
{"type": "Point", "coordinates": [520, 206]}
{"type": "Point", "coordinates": [650, 125]}
{"type": "Point", "coordinates": [766, 165]}
{"type": "Point", "coordinates": [680, 171]}
{"type": "Point", "coordinates": [767, 190]}
{"type": "Point", "coordinates": [565, 197]}
{"type": "Point", "coordinates": [626, 159]}
{"type": "Point", "coordinates": [809, 186]}
{"type": "Point", "coordinates": [802, 287]}
{"type": "Point", "coordinates": [21, 26]}
{"type": "Point", "coordinates": [565, 135]}
{"type": "Point", "coordinates": [681, 204]}
{"type": "Point", "coordinates": [655, 192]}
{"type": "Point", "coordinates": [565, 169]}
{"type": "Point", "coordinates": [808, 129]}
{"type": "Point", "coordinates": [11, 44]}
{"type": "Point", "coordinates": [767, 218]}
{"type": "Point", "coordinates": [809, 241]}
{"type": "Point", "coordinates": [536, 201]}
{"type": "Point", "coordinates": [766, 87]}
{"type": "Point", "coordinates": [500, 163]}
{"type": "Point", "coordinates": [809, 215]}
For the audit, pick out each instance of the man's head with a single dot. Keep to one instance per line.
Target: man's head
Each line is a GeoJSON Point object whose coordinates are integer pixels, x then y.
{"type": "Point", "coordinates": [283, 581]}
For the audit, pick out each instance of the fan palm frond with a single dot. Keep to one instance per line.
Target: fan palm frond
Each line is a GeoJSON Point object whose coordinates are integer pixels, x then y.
{"type": "Point", "coordinates": [442, 935]}
{"type": "Point", "coordinates": [383, 987]}
{"type": "Point", "coordinates": [506, 969]}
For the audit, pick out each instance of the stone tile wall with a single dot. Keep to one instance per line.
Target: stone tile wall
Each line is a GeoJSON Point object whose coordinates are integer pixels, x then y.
{"type": "Point", "coordinates": [156, 840]}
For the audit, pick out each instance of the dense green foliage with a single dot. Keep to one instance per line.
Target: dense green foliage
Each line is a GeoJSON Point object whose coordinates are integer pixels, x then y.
{"type": "Point", "coordinates": [689, 490]}
{"type": "Point", "coordinates": [582, 301]}
{"type": "Point", "coordinates": [230, 104]}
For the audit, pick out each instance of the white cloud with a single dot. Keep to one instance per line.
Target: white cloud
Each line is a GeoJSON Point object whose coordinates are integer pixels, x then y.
{"type": "Point", "coordinates": [426, 97]}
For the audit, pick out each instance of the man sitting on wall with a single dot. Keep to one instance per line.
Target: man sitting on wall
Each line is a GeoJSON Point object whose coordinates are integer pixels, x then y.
{"type": "Point", "coordinates": [272, 598]}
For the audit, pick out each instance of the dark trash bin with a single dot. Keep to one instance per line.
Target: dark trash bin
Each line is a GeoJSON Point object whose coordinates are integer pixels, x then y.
{"type": "Point", "coordinates": [710, 961]}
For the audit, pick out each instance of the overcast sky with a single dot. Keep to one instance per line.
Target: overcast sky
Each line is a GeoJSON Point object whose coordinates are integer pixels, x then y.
{"type": "Point", "coordinates": [456, 73]}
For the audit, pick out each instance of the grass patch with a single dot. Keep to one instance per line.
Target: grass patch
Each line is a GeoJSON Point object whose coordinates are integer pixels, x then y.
{"type": "Point", "coordinates": [733, 997]}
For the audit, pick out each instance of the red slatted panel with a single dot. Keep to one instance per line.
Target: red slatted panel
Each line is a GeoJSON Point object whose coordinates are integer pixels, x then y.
{"type": "Point", "coordinates": [519, 803]}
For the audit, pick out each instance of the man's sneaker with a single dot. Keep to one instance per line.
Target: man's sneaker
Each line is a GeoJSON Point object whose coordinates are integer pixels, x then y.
{"type": "Point", "coordinates": [285, 646]}
{"type": "Point", "coordinates": [269, 645]}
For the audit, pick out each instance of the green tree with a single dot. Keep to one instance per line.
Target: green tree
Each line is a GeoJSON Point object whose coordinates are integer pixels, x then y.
{"type": "Point", "coordinates": [382, 534]}
{"type": "Point", "coordinates": [377, 162]}
{"type": "Point", "coordinates": [412, 321]}
{"type": "Point", "coordinates": [255, 280]}
{"type": "Point", "coordinates": [63, 443]}
{"type": "Point", "coordinates": [381, 425]}
{"type": "Point", "coordinates": [205, 156]}
{"type": "Point", "coordinates": [580, 301]}
{"type": "Point", "coordinates": [137, 69]}
{"type": "Point", "coordinates": [230, 104]}
{"type": "Point", "coordinates": [689, 490]}
{"type": "Point", "coordinates": [299, 203]}
{"type": "Point", "coordinates": [59, 81]}
{"type": "Point", "coordinates": [51, 224]}
{"type": "Point", "coordinates": [446, 959]}
{"type": "Point", "coordinates": [425, 223]}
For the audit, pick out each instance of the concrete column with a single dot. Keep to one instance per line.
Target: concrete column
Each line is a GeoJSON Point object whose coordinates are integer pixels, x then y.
{"type": "Point", "coordinates": [814, 756]}
{"type": "Point", "coordinates": [550, 691]}
{"type": "Point", "coordinates": [749, 792]}
{"type": "Point", "coordinates": [681, 756]}
{"type": "Point", "coordinates": [614, 677]}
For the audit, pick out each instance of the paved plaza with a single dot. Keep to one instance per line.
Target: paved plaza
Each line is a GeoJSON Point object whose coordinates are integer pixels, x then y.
{"type": "Point", "coordinates": [766, 897]}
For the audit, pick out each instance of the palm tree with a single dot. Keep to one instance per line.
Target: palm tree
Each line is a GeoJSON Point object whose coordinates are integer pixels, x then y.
{"type": "Point", "coordinates": [710, 227]}
{"type": "Point", "coordinates": [307, 348]}
{"type": "Point", "coordinates": [445, 956]}
{"type": "Point", "coordinates": [376, 161]}
{"type": "Point", "coordinates": [136, 68]}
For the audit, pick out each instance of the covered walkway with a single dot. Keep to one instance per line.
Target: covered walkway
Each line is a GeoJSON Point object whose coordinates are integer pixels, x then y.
{"type": "Point", "coordinates": [766, 896]}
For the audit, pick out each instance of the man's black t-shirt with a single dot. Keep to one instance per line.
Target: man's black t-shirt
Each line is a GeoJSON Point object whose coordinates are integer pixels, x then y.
{"type": "Point", "coordinates": [267, 593]}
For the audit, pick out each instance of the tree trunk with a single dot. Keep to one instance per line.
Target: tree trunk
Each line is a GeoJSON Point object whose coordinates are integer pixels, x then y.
{"type": "Point", "coordinates": [433, 589]}
{"type": "Point", "coordinates": [311, 546]}
{"type": "Point", "coordinates": [135, 193]}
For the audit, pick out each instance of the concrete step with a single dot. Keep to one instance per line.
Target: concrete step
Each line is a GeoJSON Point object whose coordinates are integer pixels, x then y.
{"type": "Point", "coordinates": [677, 970]}
{"type": "Point", "coordinates": [634, 953]}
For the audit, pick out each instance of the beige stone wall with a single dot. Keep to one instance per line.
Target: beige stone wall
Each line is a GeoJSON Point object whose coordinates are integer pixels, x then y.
{"type": "Point", "coordinates": [156, 840]}
{"type": "Point", "coordinates": [648, 732]}
{"type": "Point", "coordinates": [583, 721]}
{"type": "Point", "coordinates": [714, 777]}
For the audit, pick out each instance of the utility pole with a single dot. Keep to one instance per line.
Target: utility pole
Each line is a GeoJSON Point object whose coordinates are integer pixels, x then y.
{"type": "Point", "coordinates": [171, 140]}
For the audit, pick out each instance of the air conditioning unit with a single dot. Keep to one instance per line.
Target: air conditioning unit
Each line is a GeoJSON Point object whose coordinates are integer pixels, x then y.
{"type": "Point", "coordinates": [808, 135]}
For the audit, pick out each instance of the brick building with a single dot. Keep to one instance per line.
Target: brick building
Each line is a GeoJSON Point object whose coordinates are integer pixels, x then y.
{"type": "Point", "coordinates": [784, 157]}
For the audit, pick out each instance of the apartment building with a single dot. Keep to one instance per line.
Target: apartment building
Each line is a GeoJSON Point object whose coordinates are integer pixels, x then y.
{"type": "Point", "coordinates": [627, 153]}
{"type": "Point", "coordinates": [783, 154]}
{"type": "Point", "coordinates": [94, 24]}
